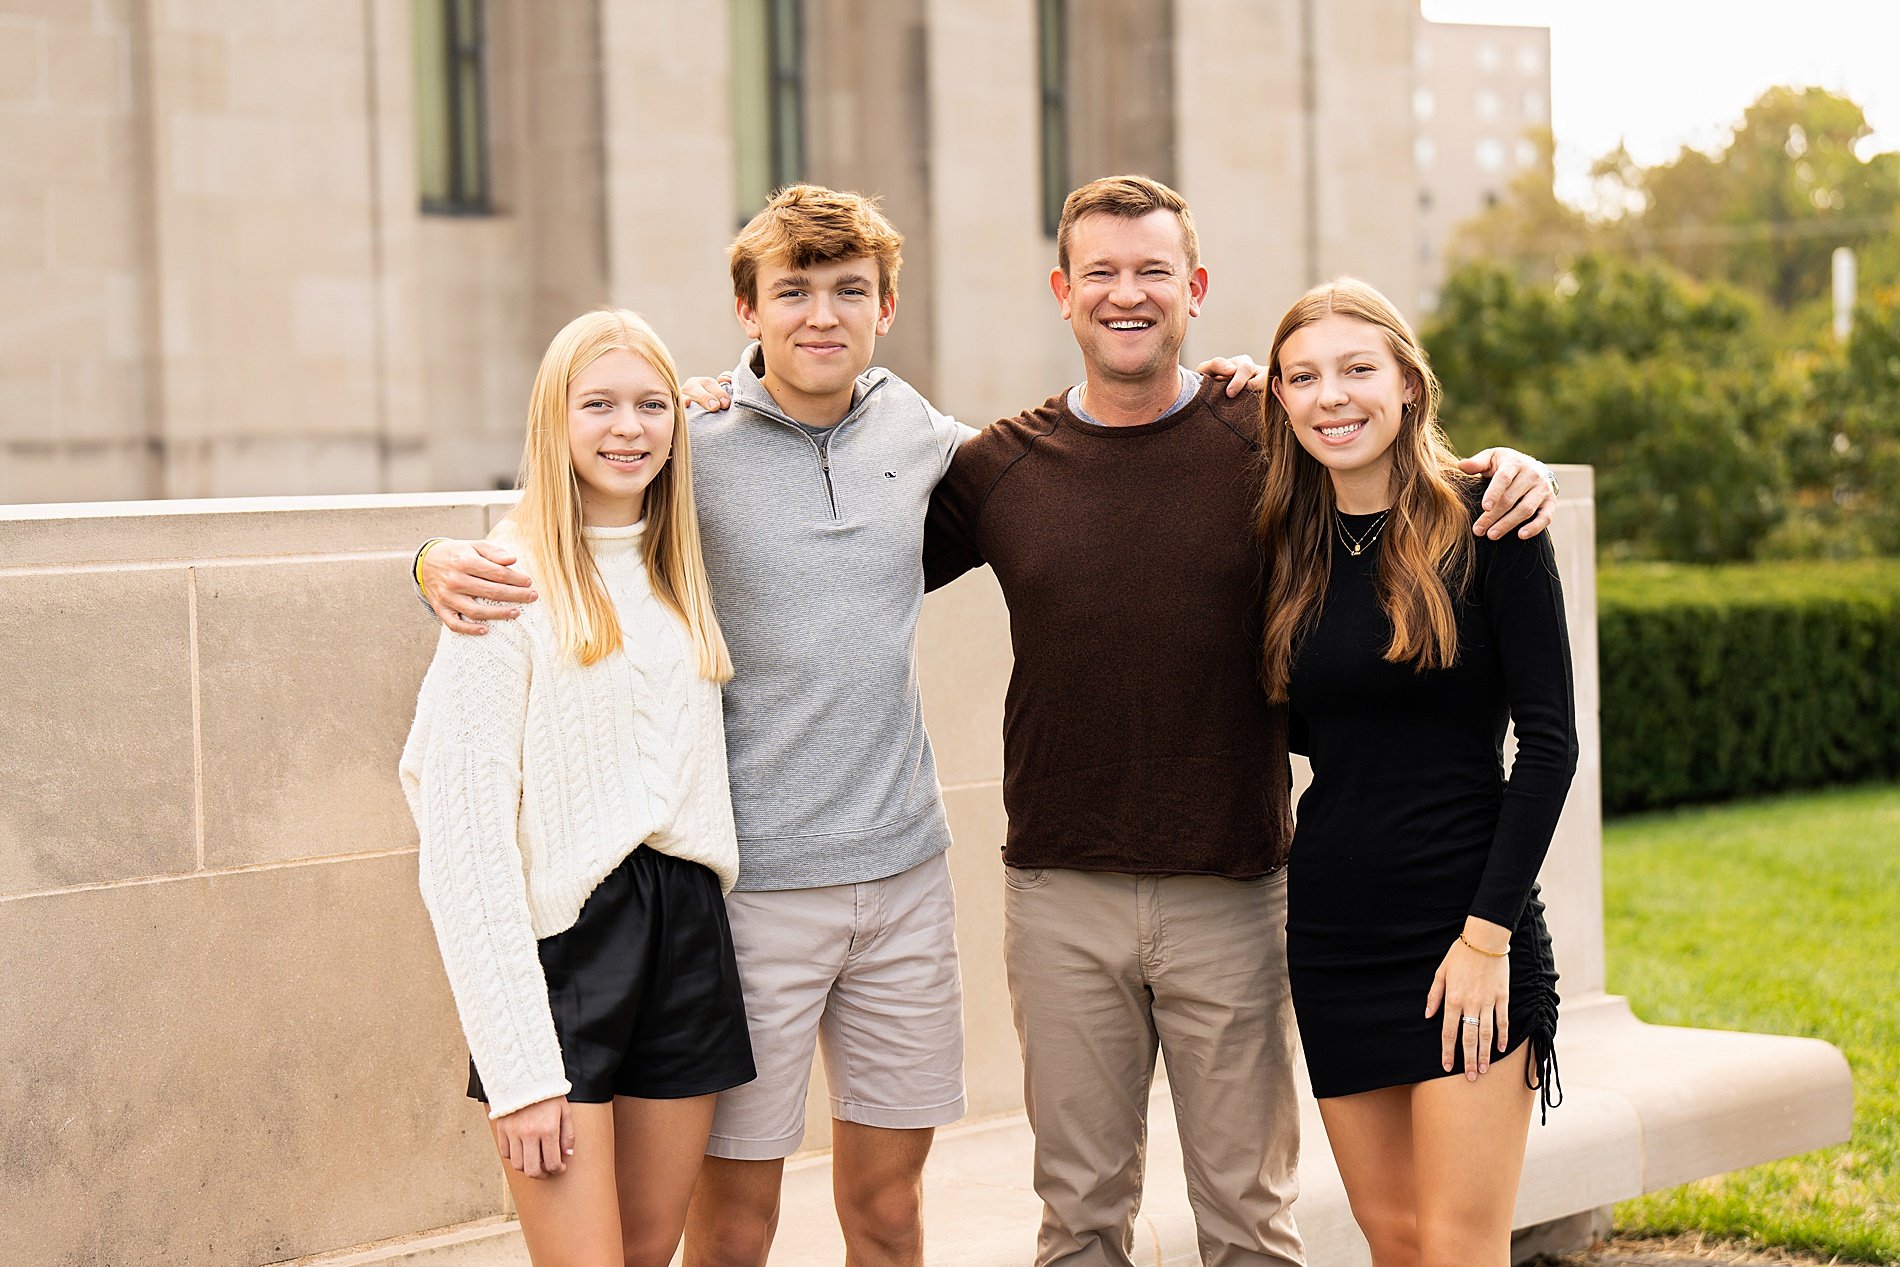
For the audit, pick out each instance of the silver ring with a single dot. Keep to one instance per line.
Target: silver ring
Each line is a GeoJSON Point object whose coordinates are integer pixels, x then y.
{"type": "Point", "coordinates": [1469, 1020]}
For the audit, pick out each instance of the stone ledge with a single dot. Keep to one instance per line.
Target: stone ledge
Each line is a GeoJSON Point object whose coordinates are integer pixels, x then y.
{"type": "Point", "coordinates": [1646, 1107]}
{"type": "Point", "coordinates": [55, 534]}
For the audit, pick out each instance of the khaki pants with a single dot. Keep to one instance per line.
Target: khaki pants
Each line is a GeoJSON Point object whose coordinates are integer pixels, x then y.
{"type": "Point", "coordinates": [1104, 969]}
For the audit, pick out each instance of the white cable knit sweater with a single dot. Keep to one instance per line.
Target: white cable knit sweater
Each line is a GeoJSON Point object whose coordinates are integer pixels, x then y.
{"type": "Point", "coordinates": [531, 778]}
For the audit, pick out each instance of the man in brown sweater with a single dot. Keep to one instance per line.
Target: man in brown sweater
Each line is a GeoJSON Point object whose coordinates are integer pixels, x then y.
{"type": "Point", "coordinates": [1145, 774]}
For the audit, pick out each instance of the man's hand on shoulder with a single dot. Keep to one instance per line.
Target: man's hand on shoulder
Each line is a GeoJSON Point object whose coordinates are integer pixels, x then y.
{"type": "Point", "coordinates": [462, 581]}
{"type": "Point", "coordinates": [1241, 372]}
{"type": "Point", "coordinates": [710, 394]}
{"type": "Point", "coordinates": [1522, 493]}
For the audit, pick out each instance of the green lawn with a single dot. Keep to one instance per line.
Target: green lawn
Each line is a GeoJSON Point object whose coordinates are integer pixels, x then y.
{"type": "Point", "coordinates": [1781, 916]}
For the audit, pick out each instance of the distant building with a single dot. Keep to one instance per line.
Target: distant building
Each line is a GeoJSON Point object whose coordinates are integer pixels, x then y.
{"type": "Point", "coordinates": [1481, 93]}
{"type": "Point", "coordinates": [286, 246]}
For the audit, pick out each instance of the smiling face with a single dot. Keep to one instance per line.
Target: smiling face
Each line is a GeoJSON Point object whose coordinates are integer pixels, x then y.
{"type": "Point", "coordinates": [818, 328]}
{"type": "Point", "coordinates": [1345, 395]}
{"type": "Point", "coordinates": [620, 419]}
{"type": "Point", "coordinates": [1128, 294]}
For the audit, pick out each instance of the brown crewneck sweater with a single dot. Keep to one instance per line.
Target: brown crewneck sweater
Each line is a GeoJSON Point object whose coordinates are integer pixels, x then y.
{"type": "Point", "coordinates": [1136, 736]}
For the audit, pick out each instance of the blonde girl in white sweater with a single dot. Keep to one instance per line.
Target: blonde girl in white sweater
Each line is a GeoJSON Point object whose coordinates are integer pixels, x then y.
{"type": "Point", "coordinates": [567, 772]}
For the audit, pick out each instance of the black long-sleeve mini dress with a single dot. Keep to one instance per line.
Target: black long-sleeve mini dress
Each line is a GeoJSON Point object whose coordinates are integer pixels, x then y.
{"type": "Point", "coordinates": [1410, 824]}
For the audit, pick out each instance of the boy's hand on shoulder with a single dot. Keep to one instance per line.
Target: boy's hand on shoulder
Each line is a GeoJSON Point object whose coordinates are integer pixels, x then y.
{"type": "Point", "coordinates": [464, 581]}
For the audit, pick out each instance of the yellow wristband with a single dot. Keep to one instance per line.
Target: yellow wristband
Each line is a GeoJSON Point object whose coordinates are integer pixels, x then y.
{"type": "Point", "coordinates": [422, 554]}
{"type": "Point", "coordinates": [1494, 954]}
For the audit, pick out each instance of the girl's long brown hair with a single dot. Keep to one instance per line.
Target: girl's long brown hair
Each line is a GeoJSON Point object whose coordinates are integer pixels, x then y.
{"type": "Point", "coordinates": [1425, 555]}
{"type": "Point", "coordinates": [548, 516]}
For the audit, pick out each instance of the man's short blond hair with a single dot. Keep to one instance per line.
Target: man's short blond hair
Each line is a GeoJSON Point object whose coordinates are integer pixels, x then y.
{"type": "Point", "coordinates": [1130, 198]}
{"type": "Point", "coordinates": [805, 225]}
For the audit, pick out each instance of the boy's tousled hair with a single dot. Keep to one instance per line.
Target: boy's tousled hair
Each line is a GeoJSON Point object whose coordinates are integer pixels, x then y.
{"type": "Point", "coordinates": [1129, 198]}
{"type": "Point", "coordinates": [805, 225]}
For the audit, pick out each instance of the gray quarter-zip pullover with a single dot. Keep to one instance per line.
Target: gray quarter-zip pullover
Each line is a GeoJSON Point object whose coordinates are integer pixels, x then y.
{"type": "Point", "coordinates": [815, 553]}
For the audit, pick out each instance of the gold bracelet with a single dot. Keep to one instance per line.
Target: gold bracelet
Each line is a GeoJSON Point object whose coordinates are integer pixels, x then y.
{"type": "Point", "coordinates": [1494, 954]}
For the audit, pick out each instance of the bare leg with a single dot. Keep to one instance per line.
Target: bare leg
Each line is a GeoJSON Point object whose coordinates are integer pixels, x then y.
{"type": "Point", "coordinates": [734, 1213]}
{"type": "Point", "coordinates": [1431, 1169]}
{"type": "Point", "coordinates": [878, 1183]}
{"type": "Point", "coordinates": [573, 1219]}
{"type": "Point", "coordinates": [1468, 1154]}
{"type": "Point", "coordinates": [658, 1148]}
{"type": "Point", "coordinates": [1371, 1135]}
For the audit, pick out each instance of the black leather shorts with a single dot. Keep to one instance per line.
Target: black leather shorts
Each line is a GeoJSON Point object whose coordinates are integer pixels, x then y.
{"type": "Point", "coordinates": [645, 989]}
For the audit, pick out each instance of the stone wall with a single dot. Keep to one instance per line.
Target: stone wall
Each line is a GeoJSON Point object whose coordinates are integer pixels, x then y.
{"type": "Point", "coordinates": [221, 1024]}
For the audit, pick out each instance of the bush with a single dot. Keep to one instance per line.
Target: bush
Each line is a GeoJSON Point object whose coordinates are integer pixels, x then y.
{"type": "Point", "coordinates": [1734, 681]}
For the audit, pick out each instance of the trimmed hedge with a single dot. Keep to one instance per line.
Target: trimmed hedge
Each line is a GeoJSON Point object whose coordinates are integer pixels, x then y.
{"type": "Point", "coordinates": [1734, 681]}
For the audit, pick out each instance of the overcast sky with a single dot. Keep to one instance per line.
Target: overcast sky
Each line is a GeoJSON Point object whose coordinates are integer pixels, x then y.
{"type": "Point", "coordinates": [1660, 74]}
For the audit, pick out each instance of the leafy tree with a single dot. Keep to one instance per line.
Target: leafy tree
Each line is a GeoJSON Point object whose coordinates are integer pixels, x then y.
{"type": "Point", "coordinates": [1689, 463]}
{"type": "Point", "coordinates": [1846, 451]}
{"type": "Point", "coordinates": [1766, 211]}
{"type": "Point", "coordinates": [1662, 384]}
{"type": "Point", "coordinates": [1490, 333]}
{"type": "Point", "coordinates": [1878, 262]}
{"type": "Point", "coordinates": [1676, 335]}
{"type": "Point", "coordinates": [1495, 337]}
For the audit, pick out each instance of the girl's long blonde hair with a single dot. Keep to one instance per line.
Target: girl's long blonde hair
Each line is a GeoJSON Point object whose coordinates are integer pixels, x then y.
{"type": "Point", "coordinates": [548, 516]}
{"type": "Point", "coordinates": [1425, 556]}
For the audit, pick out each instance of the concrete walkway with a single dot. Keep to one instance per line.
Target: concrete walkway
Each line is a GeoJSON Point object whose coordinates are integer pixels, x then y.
{"type": "Point", "coordinates": [1644, 1107]}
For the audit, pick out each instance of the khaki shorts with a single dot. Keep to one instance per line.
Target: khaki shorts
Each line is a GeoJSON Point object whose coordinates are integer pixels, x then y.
{"type": "Point", "coordinates": [869, 970]}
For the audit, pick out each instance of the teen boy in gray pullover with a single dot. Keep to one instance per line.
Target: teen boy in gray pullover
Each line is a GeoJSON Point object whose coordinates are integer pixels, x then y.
{"type": "Point", "coordinates": [814, 542]}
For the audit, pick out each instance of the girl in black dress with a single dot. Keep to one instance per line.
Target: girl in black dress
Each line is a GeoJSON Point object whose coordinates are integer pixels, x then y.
{"type": "Point", "coordinates": [1422, 972]}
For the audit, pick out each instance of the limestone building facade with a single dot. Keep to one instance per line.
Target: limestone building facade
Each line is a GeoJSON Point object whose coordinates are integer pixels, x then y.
{"type": "Point", "coordinates": [257, 247]}
{"type": "Point", "coordinates": [1481, 98]}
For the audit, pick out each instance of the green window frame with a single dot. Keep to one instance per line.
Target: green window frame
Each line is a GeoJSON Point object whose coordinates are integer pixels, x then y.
{"type": "Point", "coordinates": [768, 99]}
{"type": "Point", "coordinates": [451, 103]}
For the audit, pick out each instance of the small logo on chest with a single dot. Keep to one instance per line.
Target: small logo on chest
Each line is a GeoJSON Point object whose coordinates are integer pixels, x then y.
{"type": "Point", "coordinates": [890, 475]}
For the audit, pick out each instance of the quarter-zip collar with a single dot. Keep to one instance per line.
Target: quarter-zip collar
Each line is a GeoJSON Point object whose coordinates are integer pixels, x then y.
{"type": "Point", "coordinates": [748, 392]}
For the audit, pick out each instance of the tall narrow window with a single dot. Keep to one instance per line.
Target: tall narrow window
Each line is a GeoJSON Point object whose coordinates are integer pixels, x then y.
{"type": "Point", "coordinates": [1107, 85]}
{"type": "Point", "coordinates": [451, 106]}
{"type": "Point", "coordinates": [768, 97]}
{"type": "Point", "coordinates": [1053, 22]}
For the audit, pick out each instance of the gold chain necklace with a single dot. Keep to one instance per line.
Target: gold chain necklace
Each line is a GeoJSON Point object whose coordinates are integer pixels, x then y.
{"type": "Point", "coordinates": [1356, 546]}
